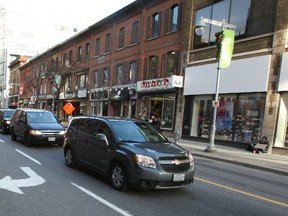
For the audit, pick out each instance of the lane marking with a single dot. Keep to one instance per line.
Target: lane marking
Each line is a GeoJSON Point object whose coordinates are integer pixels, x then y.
{"type": "Point", "coordinates": [34, 160]}
{"type": "Point", "coordinates": [7, 183]}
{"type": "Point", "coordinates": [122, 212]}
{"type": "Point", "coordinates": [243, 192]}
{"type": "Point", "coordinates": [2, 141]}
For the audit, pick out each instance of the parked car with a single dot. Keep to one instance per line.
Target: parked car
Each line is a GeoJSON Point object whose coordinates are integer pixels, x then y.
{"type": "Point", "coordinates": [5, 117]}
{"type": "Point", "coordinates": [132, 153]}
{"type": "Point", "coordinates": [34, 126]}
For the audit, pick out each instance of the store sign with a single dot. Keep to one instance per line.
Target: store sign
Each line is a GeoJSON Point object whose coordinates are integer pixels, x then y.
{"type": "Point", "coordinates": [82, 93]}
{"type": "Point", "coordinates": [160, 83]}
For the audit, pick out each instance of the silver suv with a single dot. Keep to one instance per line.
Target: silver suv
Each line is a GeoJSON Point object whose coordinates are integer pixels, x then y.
{"type": "Point", "coordinates": [132, 153]}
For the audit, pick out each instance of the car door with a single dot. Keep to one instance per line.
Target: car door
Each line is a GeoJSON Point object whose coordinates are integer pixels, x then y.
{"type": "Point", "coordinates": [98, 152]}
{"type": "Point", "coordinates": [20, 125]}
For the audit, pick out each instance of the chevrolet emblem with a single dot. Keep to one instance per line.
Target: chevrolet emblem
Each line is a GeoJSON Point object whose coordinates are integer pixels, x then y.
{"type": "Point", "coordinates": [176, 162]}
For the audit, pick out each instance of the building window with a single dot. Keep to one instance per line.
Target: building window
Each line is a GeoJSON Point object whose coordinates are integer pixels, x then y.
{"type": "Point", "coordinates": [174, 18]}
{"type": "Point", "coordinates": [119, 75]}
{"type": "Point", "coordinates": [97, 47]}
{"type": "Point", "coordinates": [135, 32]}
{"type": "Point", "coordinates": [87, 54]}
{"type": "Point", "coordinates": [171, 64]}
{"type": "Point", "coordinates": [251, 19]}
{"type": "Point", "coordinates": [64, 59]}
{"type": "Point", "coordinates": [82, 80]}
{"type": "Point", "coordinates": [151, 67]}
{"type": "Point", "coordinates": [155, 25]}
{"type": "Point", "coordinates": [107, 43]}
{"type": "Point", "coordinates": [106, 77]}
{"type": "Point", "coordinates": [121, 37]}
{"type": "Point", "coordinates": [97, 79]}
{"type": "Point", "coordinates": [133, 72]}
{"type": "Point", "coordinates": [70, 57]}
{"type": "Point", "coordinates": [79, 53]}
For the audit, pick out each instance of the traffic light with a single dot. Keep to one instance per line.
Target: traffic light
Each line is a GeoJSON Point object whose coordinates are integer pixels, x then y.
{"type": "Point", "coordinates": [219, 38]}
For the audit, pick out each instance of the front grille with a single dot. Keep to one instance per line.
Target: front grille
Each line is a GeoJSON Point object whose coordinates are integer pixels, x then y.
{"type": "Point", "coordinates": [174, 165]}
{"type": "Point", "coordinates": [175, 168]}
{"type": "Point", "coordinates": [50, 133]}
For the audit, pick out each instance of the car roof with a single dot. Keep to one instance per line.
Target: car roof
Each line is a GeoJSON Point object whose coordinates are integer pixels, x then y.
{"type": "Point", "coordinates": [110, 118]}
{"type": "Point", "coordinates": [32, 110]}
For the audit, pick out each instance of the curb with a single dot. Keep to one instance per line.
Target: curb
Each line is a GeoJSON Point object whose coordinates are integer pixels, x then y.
{"type": "Point", "coordinates": [267, 169]}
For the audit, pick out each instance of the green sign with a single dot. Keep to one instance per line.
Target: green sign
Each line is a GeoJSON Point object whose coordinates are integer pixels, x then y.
{"type": "Point", "coordinates": [227, 48]}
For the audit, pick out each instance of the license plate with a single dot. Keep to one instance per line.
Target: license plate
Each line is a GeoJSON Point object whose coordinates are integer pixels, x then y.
{"type": "Point", "coordinates": [178, 177]}
{"type": "Point", "coordinates": [51, 139]}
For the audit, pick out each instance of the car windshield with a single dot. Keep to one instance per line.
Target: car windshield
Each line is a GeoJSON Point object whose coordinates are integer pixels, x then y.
{"type": "Point", "coordinates": [137, 132]}
{"type": "Point", "coordinates": [41, 117]}
{"type": "Point", "coordinates": [8, 113]}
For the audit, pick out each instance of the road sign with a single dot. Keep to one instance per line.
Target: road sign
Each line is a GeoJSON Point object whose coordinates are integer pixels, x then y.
{"type": "Point", "coordinates": [69, 108]}
{"type": "Point", "coordinates": [14, 185]}
{"type": "Point", "coordinates": [215, 103]}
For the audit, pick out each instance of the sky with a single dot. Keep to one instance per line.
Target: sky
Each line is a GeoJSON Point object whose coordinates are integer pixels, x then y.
{"type": "Point", "coordinates": [83, 13]}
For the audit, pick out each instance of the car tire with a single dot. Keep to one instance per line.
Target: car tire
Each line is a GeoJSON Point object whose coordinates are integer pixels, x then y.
{"type": "Point", "coordinates": [27, 141]}
{"type": "Point", "coordinates": [13, 135]}
{"type": "Point", "coordinates": [118, 177]}
{"type": "Point", "coordinates": [69, 157]}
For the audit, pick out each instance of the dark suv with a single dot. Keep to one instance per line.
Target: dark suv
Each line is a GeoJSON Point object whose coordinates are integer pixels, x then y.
{"type": "Point", "coordinates": [35, 126]}
{"type": "Point", "coordinates": [5, 117]}
{"type": "Point", "coordinates": [131, 152]}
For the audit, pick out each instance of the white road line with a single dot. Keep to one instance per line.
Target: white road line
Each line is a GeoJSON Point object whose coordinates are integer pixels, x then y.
{"type": "Point", "coordinates": [34, 160]}
{"type": "Point", "coordinates": [2, 141]}
{"type": "Point", "coordinates": [122, 212]}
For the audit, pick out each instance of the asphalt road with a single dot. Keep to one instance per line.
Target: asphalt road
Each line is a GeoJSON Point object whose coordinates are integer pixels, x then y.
{"type": "Point", "coordinates": [48, 187]}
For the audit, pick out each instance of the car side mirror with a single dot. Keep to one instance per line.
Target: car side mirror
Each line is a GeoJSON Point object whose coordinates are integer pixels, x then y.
{"type": "Point", "coordinates": [102, 137]}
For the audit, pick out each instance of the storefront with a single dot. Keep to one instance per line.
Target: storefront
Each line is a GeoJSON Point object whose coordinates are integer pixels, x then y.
{"type": "Point", "coordinates": [242, 96]}
{"type": "Point", "coordinates": [99, 101]}
{"type": "Point", "coordinates": [281, 139]}
{"type": "Point", "coordinates": [158, 100]}
{"type": "Point", "coordinates": [123, 101]}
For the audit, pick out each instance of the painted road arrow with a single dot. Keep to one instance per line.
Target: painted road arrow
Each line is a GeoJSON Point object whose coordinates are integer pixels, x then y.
{"type": "Point", "coordinates": [7, 183]}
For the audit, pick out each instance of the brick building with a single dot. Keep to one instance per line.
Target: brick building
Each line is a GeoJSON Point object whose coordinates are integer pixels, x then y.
{"type": "Point", "coordinates": [123, 65]}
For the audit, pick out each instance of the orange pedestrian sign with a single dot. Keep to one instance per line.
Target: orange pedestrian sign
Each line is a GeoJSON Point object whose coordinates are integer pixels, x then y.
{"type": "Point", "coordinates": [69, 108]}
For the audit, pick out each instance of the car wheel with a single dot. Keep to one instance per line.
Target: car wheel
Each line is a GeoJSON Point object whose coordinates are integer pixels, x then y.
{"type": "Point", "coordinates": [27, 141]}
{"type": "Point", "coordinates": [118, 177]}
{"type": "Point", "coordinates": [69, 157]}
{"type": "Point", "coordinates": [13, 135]}
{"type": "Point", "coordinates": [2, 129]}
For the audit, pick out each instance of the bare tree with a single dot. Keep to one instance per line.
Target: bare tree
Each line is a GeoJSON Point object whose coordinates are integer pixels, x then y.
{"type": "Point", "coordinates": [58, 73]}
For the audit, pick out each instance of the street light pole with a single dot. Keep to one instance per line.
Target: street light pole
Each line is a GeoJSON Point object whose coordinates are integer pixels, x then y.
{"type": "Point", "coordinates": [199, 30]}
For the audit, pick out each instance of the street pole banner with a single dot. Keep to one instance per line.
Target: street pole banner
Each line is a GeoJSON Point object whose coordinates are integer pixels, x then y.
{"type": "Point", "coordinates": [227, 48]}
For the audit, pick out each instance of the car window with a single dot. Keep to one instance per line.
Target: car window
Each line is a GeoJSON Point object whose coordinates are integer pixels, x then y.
{"type": "Point", "coordinates": [8, 114]}
{"type": "Point", "coordinates": [137, 132]}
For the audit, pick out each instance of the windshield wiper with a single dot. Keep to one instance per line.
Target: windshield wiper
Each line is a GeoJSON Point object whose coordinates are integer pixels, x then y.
{"type": "Point", "coordinates": [130, 141]}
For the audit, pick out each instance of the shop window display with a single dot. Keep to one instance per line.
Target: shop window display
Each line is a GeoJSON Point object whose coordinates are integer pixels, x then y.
{"type": "Point", "coordinates": [239, 117]}
{"type": "Point", "coordinates": [159, 110]}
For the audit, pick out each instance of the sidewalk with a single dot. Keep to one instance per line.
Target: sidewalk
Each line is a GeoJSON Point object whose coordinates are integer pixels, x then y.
{"type": "Point", "coordinates": [267, 162]}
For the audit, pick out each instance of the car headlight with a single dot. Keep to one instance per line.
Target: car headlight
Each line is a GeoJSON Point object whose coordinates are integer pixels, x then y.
{"type": "Point", "coordinates": [191, 159]}
{"type": "Point", "coordinates": [35, 132]}
{"type": "Point", "coordinates": [7, 122]}
{"type": "Point", "coordinates": [61, 132]}
{"type": "Point", "coordinates": [145, 161]}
